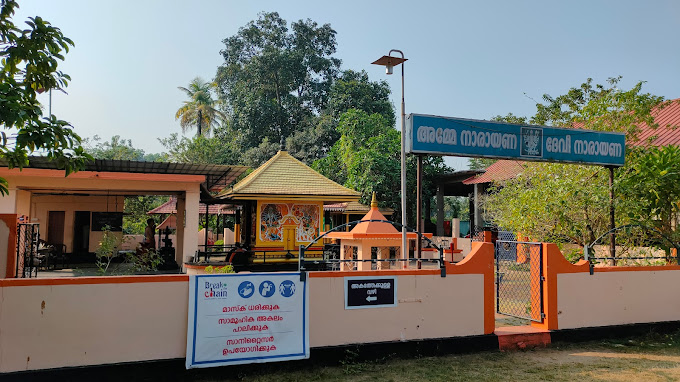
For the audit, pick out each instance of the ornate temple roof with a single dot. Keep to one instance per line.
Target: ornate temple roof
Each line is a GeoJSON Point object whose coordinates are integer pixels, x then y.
{"type": "Point", "coordinates": [285, 177]}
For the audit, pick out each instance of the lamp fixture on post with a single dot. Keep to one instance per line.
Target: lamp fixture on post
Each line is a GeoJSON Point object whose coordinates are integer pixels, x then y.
{"type": "Point", "coordinates": [389, 62]}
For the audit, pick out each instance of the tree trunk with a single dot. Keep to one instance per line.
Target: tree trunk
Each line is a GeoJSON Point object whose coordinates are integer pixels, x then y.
{"type": "Point", "coordinates": [200, 123]}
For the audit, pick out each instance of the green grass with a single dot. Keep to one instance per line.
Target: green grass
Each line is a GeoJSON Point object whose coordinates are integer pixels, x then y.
{"type": "Point", "coordinates": [651, 358]}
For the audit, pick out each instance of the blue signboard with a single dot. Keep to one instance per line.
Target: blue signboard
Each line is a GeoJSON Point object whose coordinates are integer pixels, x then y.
{"type": "Point", "coordinates": [427, 134]}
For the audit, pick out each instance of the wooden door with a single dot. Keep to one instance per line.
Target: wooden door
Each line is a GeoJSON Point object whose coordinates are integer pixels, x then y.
{"type": "Point", "coordinates": [289, 238]}
{"type": "Point", "coordinates": [55, 227]}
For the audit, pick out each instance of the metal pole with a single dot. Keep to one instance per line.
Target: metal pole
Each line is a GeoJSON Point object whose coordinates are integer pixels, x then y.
{"type": "Point", "coordinates": [403, 169]}
{"type": "Point", "coordinates": [419, 208]}
{"type": "Point", "coordinates": [612, 223]}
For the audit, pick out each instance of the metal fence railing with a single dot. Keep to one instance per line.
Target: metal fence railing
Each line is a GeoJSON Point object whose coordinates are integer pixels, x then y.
{"type": "Point", "coordinates": [223, 253]}
{"type": "Point", "coordinates": [352, 264]}
{"type": "Point", "coordinates": [633, 261]}
{"type": "Point", "coordinates": [519, 276]}
{"type": "Point", "coordinates": [28, 259]}
{"type": "Point", "coordinates": [207, 251]}
{"type": "Point", "coordinates": [636, 244]}
{"type": "Point", "coordinates": [331, 260]}
{"type": "Point", "coordinates": [476, 233]}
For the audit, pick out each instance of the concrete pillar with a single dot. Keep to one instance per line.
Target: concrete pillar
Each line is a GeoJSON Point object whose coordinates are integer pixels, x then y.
{"type": "Point", "coordinates": [440, 211]}
{"type": "Point", "coordinates": [228, 237]}
{"type": "Point", "coordinates": [478, 211]}
{"type": "Point", "coordinates": [455, 228]}
{"type": "Point", "coordinates": [9, 202]}
{"type": "Point", "coordinates": [342, 257]}
{"type": "Point", "coordinates": [363, 253]}
{"type": "Point", "coordinates": [5, 248]}
{"type": "Point", "coordinates": [179, 244]}
{"type": "Point", "coordinates": [23, 203]}
{"type": "Point", "coordinates": [190, 244]}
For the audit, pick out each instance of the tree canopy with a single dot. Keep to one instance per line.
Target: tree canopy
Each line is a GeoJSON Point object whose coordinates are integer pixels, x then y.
{"type": "Point", "coordinates": [280, 84]}
{"type": "Point", "coordinates": [201, 109]}
{"type": "Point", "coordinates": [366, 158]}
{"type": "Point", "coordinates": [29, 59]}
{"type": "Point", "coordinates": [649, 188]}
{"type": "Point", "coordinates": [274, 80]}
{"type": "Point", "coordinates": [119, 149]}
{"type": "Point", "coordinates": [570, 203]}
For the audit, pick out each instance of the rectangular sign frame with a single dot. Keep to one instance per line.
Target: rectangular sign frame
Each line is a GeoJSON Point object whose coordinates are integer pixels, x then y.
{"type": "Point", "coordinates": [435, 135]}
{"type": "Point", "coordinates": [372, 280]}
{"type": "Point", "coordinates": [208, 329]}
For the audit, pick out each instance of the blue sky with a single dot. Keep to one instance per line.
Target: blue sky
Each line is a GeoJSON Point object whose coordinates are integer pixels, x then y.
{"type": "Point", "coordinates": [470, 59]}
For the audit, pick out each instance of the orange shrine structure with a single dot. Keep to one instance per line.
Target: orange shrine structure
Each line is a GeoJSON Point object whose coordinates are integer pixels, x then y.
{"type": "Point", "coordinates": [372, 240]}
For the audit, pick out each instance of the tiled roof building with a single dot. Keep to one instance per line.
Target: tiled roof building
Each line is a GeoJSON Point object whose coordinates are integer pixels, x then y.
{"type": "Point", "coordinates": [668, 132]}
{"type": "Point", "coordinates": [285, 176]}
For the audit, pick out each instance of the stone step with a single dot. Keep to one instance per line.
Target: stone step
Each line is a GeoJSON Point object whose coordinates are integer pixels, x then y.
{"type": "Point", "coordinates": [521, 337]}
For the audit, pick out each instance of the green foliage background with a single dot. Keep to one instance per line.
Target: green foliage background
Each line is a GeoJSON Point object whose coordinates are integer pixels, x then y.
{"type": "Point", "coordinates": [570, 203]}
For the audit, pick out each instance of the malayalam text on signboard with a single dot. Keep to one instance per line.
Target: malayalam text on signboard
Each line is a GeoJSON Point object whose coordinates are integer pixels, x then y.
{"type": "Point", "coordinates": [428, 134]}
{"type": "Point", "coordinates": [247, 318]}
{"type": "Point", "coordinates": [370, 292]}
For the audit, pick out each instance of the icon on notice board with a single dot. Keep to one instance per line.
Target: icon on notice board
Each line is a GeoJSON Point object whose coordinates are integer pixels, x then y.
{"type": "Point", "coordinates": [267, 288]}
{"type": "Point", "coordinates": [246, 289]}
{"type": "Point", "coordinates": [287, 288]}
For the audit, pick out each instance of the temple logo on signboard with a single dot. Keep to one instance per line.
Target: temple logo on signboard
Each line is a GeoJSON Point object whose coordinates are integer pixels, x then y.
{"type": "Point", "coordinates": [532, 142]}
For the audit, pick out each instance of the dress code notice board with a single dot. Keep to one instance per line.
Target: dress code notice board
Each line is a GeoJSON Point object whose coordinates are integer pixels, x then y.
{"type": "Point", "coordinates": [247, 318]}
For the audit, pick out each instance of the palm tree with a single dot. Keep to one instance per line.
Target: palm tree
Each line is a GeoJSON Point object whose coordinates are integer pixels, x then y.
{"type": "Point", "coordinates": [200, 109]}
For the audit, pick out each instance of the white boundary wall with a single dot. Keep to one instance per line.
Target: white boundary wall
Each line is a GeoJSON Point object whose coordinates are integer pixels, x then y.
{"type": "Point", "coordinates": [617, 298]}
{"type": "Point", "coordinates": [96, 320]}
{"type": "Point", "coordinates": [429, 306]}
{"type": "Point", "coordinates": [51, 326]}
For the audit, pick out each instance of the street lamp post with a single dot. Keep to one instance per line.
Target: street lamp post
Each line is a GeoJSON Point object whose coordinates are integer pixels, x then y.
{"type": "Point", "coordinates": [389, 62]}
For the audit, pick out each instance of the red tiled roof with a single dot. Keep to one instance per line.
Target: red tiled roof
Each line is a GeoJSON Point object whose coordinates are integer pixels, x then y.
{"type": "Point", "coordinates": [354, 207]}
{"type": "Point", "coordinates": [170, 207]}
{"type": "Point", "coordinates": [668, 132]}
{"type": "Point", "coordinates": [500, 170]}
{"type": "Point", "coordinates": [335, 207]}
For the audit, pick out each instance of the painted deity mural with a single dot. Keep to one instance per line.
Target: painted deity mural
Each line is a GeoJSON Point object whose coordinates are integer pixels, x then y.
{"type": "Point", "coordinates": [270, 222]}
{"type": "Point", "coordinates": [273, 216]}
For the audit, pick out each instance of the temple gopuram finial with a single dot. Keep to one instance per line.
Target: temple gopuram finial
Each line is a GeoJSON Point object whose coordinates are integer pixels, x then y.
{"type": "Point", "coordinates": [374, 201]}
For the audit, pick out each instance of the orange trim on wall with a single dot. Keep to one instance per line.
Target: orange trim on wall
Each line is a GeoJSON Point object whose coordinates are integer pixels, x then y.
{"type": "Point", "coordinates": [6, 283]}
{"type": "Point", "coordinates": [651, 268]}
{"type": "Point", "coordinates": [11, 221]}
{"type": "Point", "coordinates": [46, 173]}
{"type": "Point", "coordinates": [480, 260]}
{"type": "Point", "coordinates": [195, 266]}
{"type": "Point", "coordinates": [553, 264]}
{"type": "Point", "coordinates": [376, 273]}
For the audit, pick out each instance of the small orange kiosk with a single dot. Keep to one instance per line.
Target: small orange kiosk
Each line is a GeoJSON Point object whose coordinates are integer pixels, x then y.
{"type": "Point", "coordinates": [371, 241]}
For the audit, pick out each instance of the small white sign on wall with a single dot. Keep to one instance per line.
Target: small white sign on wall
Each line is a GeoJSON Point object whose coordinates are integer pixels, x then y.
{"type": "Point", "coordinates": [247, 318]}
